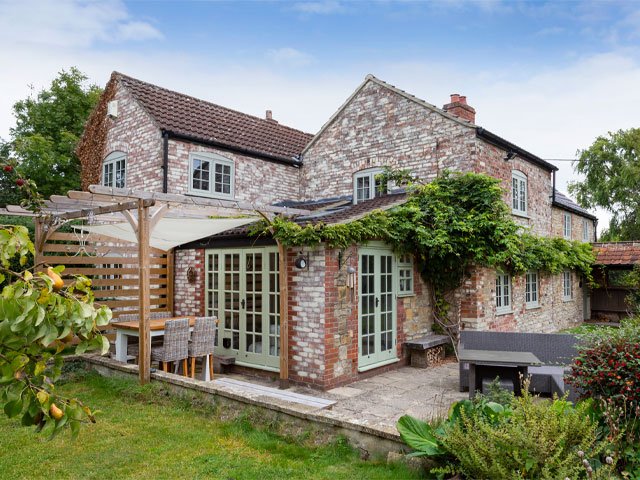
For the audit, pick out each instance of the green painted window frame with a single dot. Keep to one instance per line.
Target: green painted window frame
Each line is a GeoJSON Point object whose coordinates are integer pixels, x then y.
{"type": "Point", "coordinates": [379, 358]}
{"type": "Point", "coordinates": [503, 293]}
{"type": "Point", "coordinates": [269, 297]}
{"type": "Point", "coordinates": [405, 276]}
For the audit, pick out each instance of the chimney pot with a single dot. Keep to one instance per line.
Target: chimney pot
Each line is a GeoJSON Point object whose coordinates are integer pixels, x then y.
{"type": "Point", "coordinates": [455, 97]}
{"type": "Point", "coordinates": [269, 115]}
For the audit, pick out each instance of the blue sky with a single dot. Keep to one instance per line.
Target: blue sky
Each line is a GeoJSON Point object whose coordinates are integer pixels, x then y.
{"type": "Point", "coordinates": [549, 76]}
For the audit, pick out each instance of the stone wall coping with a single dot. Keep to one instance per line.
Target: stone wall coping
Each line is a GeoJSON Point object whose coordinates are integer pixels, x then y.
{"type": "Point", "coordinates": [296, 410]}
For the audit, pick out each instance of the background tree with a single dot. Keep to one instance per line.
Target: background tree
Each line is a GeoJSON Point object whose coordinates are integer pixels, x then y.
{"type": "Point", "coordinates": [612, 169]}
{"type": "Point", "coordinates": [44, 140]}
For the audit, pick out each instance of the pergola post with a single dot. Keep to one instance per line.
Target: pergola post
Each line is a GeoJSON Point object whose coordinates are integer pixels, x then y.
{"type": "Point", "coordinates": [144, 286]}
{"type": "Point", "coordinates": [284, 316]}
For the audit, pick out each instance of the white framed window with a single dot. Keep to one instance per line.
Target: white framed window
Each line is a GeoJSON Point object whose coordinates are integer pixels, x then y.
{"type": "Point", "coordinates": [519, 189]}
{"type": "Point", "coordinates": [566, 226]}
{"type": "Point", "coordinates": [585, 230]}
{"type": "Point", "coordinates": [211, 175]}
{"type": "Point", "coordinates": [405, 275]}
{"type": "Point", "coordinates": [366, 186]}
{"type": "Point", "coordinates": [531, 289]}
{"type": "Point", "coordinates": [567, 290]}
{"type": "Point", "coordinates": [503, 293]}
{"type": "Point", "coordinates": [114, 170]}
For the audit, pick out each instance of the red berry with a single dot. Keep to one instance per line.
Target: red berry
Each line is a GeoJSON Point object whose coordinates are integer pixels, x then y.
{"type": "Point", "coordinates": [20, 182]}
{"type": "Point", "coordinates": [8, 168]}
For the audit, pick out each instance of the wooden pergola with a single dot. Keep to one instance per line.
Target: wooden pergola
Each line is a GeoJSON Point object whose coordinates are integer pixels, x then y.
{"type": "Point", "coordinates": [143, 210]}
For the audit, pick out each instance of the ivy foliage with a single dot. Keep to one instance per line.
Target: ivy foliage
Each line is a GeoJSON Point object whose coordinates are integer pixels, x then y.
{"type": "Point", "coordinates": [449, 225]}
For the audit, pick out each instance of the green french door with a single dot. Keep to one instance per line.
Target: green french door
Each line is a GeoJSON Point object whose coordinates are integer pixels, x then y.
{"type": "Point", "coordinates": [242, 289]}
{"type": "Point", "coordinates": [376, 308]}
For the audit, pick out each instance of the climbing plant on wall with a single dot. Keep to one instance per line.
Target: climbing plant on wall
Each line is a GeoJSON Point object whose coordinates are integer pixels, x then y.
{"type": "Point", "coordinates": [450, 225]}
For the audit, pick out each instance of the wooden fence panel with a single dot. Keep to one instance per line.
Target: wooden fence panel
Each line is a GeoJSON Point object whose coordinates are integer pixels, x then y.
{"type": "Point", "coordinates": [112, 265]}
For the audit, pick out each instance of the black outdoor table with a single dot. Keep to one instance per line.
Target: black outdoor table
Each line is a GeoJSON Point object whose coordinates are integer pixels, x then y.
{"type": "Point", "coordinates": [494, 363]}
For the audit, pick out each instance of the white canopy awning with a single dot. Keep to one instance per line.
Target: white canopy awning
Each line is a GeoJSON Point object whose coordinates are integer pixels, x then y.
{"type": "Point", "coordinates": [171, 232]}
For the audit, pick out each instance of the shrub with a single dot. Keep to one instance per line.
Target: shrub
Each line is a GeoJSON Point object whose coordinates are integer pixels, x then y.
{"type": "Point", "coordinates": [528, 438]}
{"type": "Point", "coordinates": [608, 364]}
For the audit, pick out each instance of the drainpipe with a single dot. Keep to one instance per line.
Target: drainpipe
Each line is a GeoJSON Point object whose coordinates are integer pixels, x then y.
{"type": "Point", "coordinates": [553, 192]}
{"type": "Point", "coordinates": [595, 230]}
{"type": "Point", "coordinates": [165, 161]}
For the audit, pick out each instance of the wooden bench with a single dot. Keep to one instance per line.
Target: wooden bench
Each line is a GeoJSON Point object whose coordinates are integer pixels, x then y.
{"type": "Point", "coordinates": [223, 363]}
{"type": "Point", "coordinates": [427, 351]}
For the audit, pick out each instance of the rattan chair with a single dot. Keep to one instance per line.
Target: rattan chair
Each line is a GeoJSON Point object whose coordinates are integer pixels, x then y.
{"type": "Point", "coordinates": [133, 347]}
{"type": "Point", "coordinates": [175, 346]}
{"type": "Point", "coordinates": [164, 314]}
{"type": "Point", "coordinates": [202, 343]}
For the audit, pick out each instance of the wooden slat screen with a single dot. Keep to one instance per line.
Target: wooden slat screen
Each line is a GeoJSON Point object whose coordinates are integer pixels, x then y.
{"type": "Point", "coordinates": [112, 265]}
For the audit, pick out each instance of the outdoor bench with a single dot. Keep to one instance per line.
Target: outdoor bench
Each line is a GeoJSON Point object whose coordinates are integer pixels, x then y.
{"type": "Point", "coordinates": [555, 350]}
{"type": "Point", "coordinates": [427, 351]}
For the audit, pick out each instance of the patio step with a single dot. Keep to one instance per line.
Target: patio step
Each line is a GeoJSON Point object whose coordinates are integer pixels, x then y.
{"type": "Point", "coordinates": [276, 393]}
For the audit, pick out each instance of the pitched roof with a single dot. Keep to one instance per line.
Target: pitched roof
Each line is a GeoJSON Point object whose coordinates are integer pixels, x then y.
{"type": "Point", "coordinates": [617, 253]}
{"type": "Point", "coordinates": [332, 211]}
{"type": "Point", "coordinates": [182, 114]}
{"type": "Point", "coordinates": [564, 202]}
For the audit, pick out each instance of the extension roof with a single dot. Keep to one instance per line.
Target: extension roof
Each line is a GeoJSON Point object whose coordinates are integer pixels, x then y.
{"type": "Point", "coordinates": [564, 202]}
{"type": "Point", "coordinates": [622, 254]}
{"type": "Point", "coordinates": [183, 115]}
{"type": "Point", "coordinates": [481, 133]}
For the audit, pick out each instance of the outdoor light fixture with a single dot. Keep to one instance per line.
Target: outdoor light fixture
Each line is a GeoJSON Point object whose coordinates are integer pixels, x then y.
{"type": "Point", "coordinates": [302, 262]}
{"type": "Point", "coordinates": [191, 275]}
{"type": "Point", "coordinates": [510, 156]}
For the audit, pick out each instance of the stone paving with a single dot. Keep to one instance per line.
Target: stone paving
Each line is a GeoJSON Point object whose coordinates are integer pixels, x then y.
{"type": "Point", "coordinates": [378, 402]}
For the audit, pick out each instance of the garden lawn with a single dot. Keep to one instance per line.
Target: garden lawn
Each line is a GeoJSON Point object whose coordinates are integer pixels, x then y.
{"type": "Point", "coordinates": [144, 434]}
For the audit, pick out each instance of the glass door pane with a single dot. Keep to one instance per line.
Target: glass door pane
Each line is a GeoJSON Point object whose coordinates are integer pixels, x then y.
{"type": "Point", "coordinates": [252, 303]}
{"type": "Point", "coordinates": [367, 306]}
{"type": "Point", "coordinates": [232, 298]}
{"type": "Point", "coordinates": [386, 303]}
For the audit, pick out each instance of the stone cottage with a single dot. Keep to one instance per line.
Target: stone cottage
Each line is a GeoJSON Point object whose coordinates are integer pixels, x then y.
{"type": "Point", "coordinates": [350, 311]}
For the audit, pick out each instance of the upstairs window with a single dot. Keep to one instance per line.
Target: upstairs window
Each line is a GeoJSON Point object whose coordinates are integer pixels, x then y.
{"type": "Point", "coordinates": [503, 293]}
{"type": "Point", "coordinates": [366, 186]}
{"type": "Point", "coordinates": [566, 229]}
{"type": "Point", "coordinates": [519, 197]}
{"type": "Point", "coordinates": [531, 289]}
{"type": "Point", "coordinates": [114, 170]}
{"type": "Point", "coordinates": [567, 290]}
{"type": "Point", "coordinates": [211, 175]}
{"type": "Point", "coordinates": [405, 275]}
{"type": "Point", "coordinates": [585, 230]}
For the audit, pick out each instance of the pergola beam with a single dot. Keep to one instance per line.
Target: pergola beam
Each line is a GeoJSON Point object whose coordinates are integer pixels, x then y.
{"type": "Point", "coordinates": [119, 207]}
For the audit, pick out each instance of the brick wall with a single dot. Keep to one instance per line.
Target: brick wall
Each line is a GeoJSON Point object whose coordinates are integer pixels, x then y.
{"type": "Point", "coordinates": [380, 127]}
{"type": "Point", "coordinates": [134, 133]}
{"type": "Point", "coordinates": [552, 313]}
{"type": "Point", "coordinates": [256, 180]}
{"type": "Point", "coordinates": [576, 225]}
{"type": "Point", "coordinates": [189, 297]}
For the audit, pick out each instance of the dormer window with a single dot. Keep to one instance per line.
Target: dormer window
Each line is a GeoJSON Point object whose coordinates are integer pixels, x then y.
{"type": "Point", "coordinates": [519, 198]}
{"type": "Point", "coordinates": [366, 186]}
{"type": "Point", "coordinates": [114, 170]}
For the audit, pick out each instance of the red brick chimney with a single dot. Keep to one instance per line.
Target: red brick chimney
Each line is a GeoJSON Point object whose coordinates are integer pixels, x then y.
{"type": "Point", "coordinates": [459, 107]}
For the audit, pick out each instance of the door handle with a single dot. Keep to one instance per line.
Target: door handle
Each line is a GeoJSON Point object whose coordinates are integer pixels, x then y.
{"type": "Point", "coordinates": [242, 303]}
{"type": "Point", "coordinates": [377, 301]}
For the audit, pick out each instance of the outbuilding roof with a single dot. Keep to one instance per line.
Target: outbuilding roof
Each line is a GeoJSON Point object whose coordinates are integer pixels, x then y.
{"type": "Point", "coordinates": [617, 253]}
{"type": "Point", "coordinates": [182, 114]}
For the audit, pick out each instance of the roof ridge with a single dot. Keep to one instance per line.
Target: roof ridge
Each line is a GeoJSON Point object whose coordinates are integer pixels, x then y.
{"type": "Point", "coordinates": [184, 95]}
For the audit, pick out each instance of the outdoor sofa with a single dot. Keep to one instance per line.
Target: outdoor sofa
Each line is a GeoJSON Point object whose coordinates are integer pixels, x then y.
{"type": "Point", "coordinates": [555, 350]}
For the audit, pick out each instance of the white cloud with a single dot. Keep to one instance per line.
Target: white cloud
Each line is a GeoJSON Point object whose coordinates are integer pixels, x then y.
{"type": "Point", "coordinates": [290, 57]}
{"type": "Point", "coordinates": [321, 8]}
{"type": "Point", "coordinates": [69, 23]}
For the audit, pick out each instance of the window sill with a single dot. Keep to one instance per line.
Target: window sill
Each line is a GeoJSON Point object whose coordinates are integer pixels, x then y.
{"type": "Point", "coordinates": [211, 195]}
{"type": "Point", "coordinates": [532, 306]}
{"type": "Point", "coordinates": [503, 312]}
{"type": "Point", "coordinates": [568, 299]}
{"type": "Point", "coordinates": [406, 294]}
{"type": "Point", "coordinates": [520, 214]}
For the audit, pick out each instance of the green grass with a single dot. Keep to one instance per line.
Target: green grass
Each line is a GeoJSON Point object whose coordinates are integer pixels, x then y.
{"type": "Point", "coordinates": [143, 433]}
